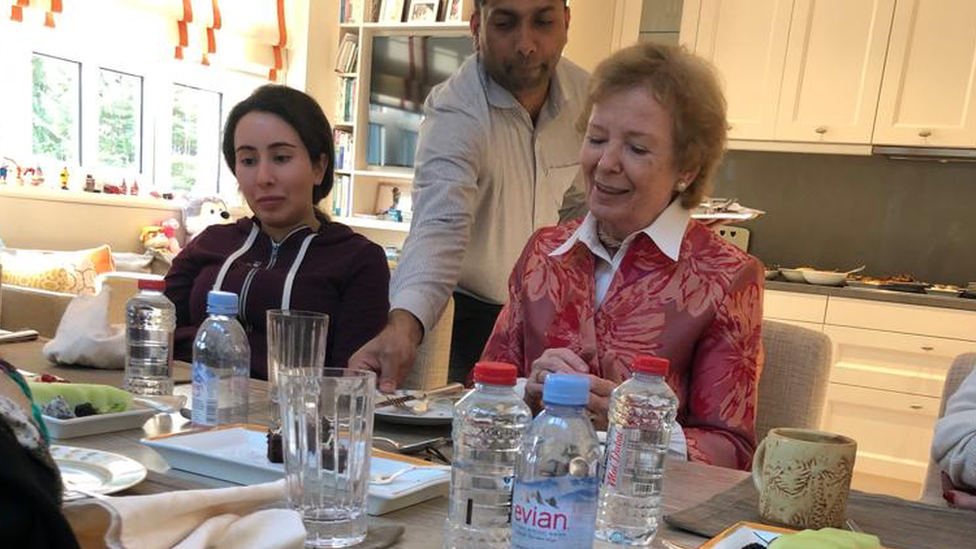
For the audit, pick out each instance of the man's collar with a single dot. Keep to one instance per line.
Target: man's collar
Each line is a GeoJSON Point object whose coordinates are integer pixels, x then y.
{"type": "Point", "coordinates": [667, 231]}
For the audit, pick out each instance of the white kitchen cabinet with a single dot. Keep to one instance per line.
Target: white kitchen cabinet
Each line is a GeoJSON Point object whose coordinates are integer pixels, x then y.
{"type": "Point", "coordinates": [893, 430]}
{"type": "Point", "coordinates": [748, 47]}
{"type": "Point", "coordinates": [807, 310]}
{"type": "Point", "coordinates": [832, 74]}
{"type": "Point", "coordinates": [929, 93]}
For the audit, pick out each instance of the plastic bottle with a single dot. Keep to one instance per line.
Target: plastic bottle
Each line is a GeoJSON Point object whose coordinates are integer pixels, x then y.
{"type": "Point", "coordinates": [556, 485]}
{"type": "Point", "coordinates": [642, 410]}
{"type": "Point", "coordinates": [221, 364]}
{"type": "Point", "coordinates": [489, 425]}
{"type": "Point", "coordinates": [150, 320]}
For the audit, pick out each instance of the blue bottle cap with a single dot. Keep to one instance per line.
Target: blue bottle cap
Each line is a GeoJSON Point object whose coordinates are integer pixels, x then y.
{"type": "Point", "coordinates": [566, 389]}
{"type": "Point", "coordinates": [222, 303]}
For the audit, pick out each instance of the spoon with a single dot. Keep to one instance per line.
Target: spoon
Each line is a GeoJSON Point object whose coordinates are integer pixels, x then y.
{"type": "Point", "coordinates": [387, 479]}
{"type": "Point", "coordinates": [854, 271]}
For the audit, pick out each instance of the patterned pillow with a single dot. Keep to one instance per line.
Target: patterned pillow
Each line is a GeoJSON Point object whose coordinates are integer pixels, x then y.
{"type": "Point", "coordinates": [68, 272]}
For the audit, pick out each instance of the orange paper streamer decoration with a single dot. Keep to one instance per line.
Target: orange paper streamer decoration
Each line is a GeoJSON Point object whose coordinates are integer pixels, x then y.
{"type": "Point", "coordinates": [211, 34]}
{"type": "Point", "coordinates": [279, 62]}
{"type": "Point", "coordinates": [17, 10]}
{"type": "Point", "coordinates": [184, 39]}
{"type": "Point", "coordinates": [49, 16]}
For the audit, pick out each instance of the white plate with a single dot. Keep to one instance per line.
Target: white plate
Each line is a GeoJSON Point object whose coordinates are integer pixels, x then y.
{"type": "Point", "coordinates": [98, 423]}
{"type": "Point", "coordinates": [440, 412]}
{"type": "Point", "coordinates": [743, 533]}
{"type": "Point", "coordinates": [239, 454]}
{"type": "Point", "coordinates": [96, 471]}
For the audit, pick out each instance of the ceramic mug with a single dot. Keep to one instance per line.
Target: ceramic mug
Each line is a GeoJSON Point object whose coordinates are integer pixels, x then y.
{"type": "Point", "coordinates": [803, 477]}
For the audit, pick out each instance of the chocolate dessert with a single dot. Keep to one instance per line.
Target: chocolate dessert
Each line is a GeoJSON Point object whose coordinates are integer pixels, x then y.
{"type": "Point", "coordinates": [275, 452]}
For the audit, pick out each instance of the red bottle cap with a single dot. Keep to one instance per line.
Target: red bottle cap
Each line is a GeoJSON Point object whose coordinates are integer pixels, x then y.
{"type": "Point", "coordinates": [652, 365]}
{"type": "Point", "coordinates": [495, 373]}
{"type": "Point", "coordinates": [154, 284]}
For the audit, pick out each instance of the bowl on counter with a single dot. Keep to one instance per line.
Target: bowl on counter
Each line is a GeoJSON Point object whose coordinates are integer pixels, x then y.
{"type": "Point", "coordinates": [824, 278]}
{"type": "Point", "coordinates": [771, 273]}
{"type": "Point", "coordinates": [793, 275]}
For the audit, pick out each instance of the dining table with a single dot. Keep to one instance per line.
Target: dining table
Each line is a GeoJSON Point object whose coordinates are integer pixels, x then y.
{"type": "Point", "coordinates": [686, 484]}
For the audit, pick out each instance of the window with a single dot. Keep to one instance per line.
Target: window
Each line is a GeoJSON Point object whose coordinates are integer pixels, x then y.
{"type": "Point", "coordinates": [119, 120]}
{"type": "Point", "coordinates": [56, 102]}
{"type": "Point", "coordinates": [195, 157]}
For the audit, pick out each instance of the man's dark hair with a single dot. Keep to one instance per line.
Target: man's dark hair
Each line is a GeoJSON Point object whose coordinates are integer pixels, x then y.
{"type": "Point", "coordinates": [302, 113]}
{"type": "Point", "coordinates": [479, 3]}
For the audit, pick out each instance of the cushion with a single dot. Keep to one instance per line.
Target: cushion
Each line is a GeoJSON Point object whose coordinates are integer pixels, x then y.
{"type": "Point", "coordinates": [68, 272]}
{"type": "Point", "coordinates": [131, 262]}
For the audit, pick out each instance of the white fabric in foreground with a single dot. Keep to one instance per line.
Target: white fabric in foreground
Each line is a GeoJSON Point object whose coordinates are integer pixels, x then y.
{"type": "Point", "coordinates": [85, 336]}
{"type": "Point", "coordinates": [224, 518]}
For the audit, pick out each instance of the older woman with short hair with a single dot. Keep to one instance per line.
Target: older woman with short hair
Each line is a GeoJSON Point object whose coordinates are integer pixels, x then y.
{"type": "Point", "coordinates": [637, 275]}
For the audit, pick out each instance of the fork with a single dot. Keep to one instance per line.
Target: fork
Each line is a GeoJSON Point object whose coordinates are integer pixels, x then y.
{"type": "Point", "coordinates": [80, 493]}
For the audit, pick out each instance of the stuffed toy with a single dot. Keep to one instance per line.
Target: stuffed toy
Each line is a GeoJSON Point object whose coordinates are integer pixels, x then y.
{"type": "Point", "coordinates": [161, 237]}
{"type": "Point", "coordinates": [201, 212]}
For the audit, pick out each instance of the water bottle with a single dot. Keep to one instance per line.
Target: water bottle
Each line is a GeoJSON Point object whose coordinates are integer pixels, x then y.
{"type": "Point", "coordinates": [150, 320]}
{"type": "Point", "coordinates": [556, 483]}
{"type": "Point", "coordinates": [489, 425]}
{"type": "Point", "coordinates": [642, 410]}
{"type": "Point", "coordinates": [221, 364]}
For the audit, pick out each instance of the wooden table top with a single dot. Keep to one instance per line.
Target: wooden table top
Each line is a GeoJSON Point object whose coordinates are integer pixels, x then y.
{"type": "Point", "coordinates": [686, 484]}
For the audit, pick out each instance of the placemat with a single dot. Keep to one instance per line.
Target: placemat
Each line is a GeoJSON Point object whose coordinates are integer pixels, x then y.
{"type": "Point", "coordinates": [901, 524]}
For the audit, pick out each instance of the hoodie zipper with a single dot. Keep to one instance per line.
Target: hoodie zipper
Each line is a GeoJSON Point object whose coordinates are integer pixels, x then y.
{"type": "Point", "coordinates": [245, 289]}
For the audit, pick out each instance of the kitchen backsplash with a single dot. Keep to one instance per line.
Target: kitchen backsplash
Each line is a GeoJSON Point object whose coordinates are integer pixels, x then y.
{"type": "Point", "coordinates": [839, 212]}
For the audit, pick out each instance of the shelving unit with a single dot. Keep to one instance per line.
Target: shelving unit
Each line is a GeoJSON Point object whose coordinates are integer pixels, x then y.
{"type": "Point", "coordinates": [363, 180]}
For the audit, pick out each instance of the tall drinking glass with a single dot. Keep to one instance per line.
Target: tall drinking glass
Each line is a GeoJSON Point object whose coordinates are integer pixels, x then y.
{"type": "Point", "coordinates": [327, 432]}
{"type": "Point", "coordinates": [296, 339]}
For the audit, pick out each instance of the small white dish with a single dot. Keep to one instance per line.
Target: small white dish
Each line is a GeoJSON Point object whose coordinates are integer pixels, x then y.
{"type": "Point", "coordinates": [793, 275]}
{"type": "Point", "coordinates": [99, 423]}
{"type": "Point", "coordinates": [96, 471]}
{"type": "Point", "coordinates": [440, 411]}
{"type": "Point", "coordinates": [771, 273]}
{"type": "Point", "coordinates": [239, 453]}
{"type": "Point", "coordinates": [824, 278]}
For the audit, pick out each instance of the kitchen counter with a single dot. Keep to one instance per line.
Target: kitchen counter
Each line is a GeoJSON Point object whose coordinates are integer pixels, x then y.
{"type": "Point", "coordinates": [907, 298]}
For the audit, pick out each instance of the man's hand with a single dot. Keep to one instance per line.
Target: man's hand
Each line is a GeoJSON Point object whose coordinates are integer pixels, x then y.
{"type": "Point", "coordinates": [960, 499]}
{"type": "Point", "coordinates": [552, 361]}
{"type": "Point", "coordinates": [390, 354]}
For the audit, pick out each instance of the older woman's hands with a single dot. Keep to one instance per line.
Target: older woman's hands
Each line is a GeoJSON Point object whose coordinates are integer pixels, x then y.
{"type": "Point", "coordinates": [552, 361]}
{"type": "Point", "coordinates": [599, 404]}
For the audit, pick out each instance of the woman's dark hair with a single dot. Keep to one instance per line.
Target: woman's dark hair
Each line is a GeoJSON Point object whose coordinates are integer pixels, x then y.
{"type": "Point", "coordinates": [302, 113]}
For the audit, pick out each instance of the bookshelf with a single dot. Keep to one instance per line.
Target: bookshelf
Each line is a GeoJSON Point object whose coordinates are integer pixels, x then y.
{"type": "Point", "coordinates": [358, 185]}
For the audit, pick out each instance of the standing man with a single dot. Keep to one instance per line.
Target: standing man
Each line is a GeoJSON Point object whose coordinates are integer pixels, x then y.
{"type": "Point", "coordinates": [496, 160]}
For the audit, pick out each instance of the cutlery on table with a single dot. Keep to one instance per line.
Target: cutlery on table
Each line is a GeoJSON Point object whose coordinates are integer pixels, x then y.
{"type": "Point", "coordinates": [401, 401]}
{"type": "Point", "coordinates": [387, 479]}
{"type": "Point", "coordinates": [161, 403]}
{"type": "Point", "coordinates": [412, 447]}
{"type": "Point", "coordinates": [19, 336]}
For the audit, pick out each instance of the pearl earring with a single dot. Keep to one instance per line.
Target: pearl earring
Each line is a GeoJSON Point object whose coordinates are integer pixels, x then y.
{"type": "Point", "coordinates": [681, 186]}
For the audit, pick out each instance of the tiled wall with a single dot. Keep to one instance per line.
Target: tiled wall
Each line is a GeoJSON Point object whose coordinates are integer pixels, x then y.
{"type": "Point", "coordinates": [839, 212]}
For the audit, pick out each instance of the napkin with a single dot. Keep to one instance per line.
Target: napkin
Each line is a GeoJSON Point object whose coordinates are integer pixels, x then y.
{"type": "Point", "coordinates": [85, 337]}
{"type": "Point", "coordinates": [191, 519]}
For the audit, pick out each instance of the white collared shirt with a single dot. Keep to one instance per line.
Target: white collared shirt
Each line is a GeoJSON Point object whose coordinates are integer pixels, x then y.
{"type": "Point", "coordinates": [667, 231]}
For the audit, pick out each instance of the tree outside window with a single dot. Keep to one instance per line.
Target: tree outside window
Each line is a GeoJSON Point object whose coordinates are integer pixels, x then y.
{"type": "Point", "coordinates": [119, 120]}
{"type": "Point", "coordinates": [195, 148]}
{"type": "Point", "coordinates": [56, 103]}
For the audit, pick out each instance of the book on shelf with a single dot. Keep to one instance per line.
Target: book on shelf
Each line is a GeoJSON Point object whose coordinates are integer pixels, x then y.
{"type": "Point", "coordinates": [350, 10]}
{"type": "Point", "coordinates": [391, 11]}
{"type": "Point", "coordinates": [345, 100]}
{"type": "Point", "coordinates": [373, 11]}
{"type": "Point", "coordinates": [341, 203]}
{"type": "Point", "coordinates": [348, 50]}
{"type": "Point", "coordinates": [343, 146]}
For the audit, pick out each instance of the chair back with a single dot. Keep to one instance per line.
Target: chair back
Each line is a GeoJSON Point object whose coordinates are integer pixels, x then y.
{"type": "Point", "coordinates": [958, 371]}
{"type": "Point", "coordinates": [793, 381]}
{"type": "Point", "coordinates": [433, 356]}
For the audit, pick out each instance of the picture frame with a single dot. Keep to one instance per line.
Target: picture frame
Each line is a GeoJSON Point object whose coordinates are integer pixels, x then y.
{"type": "Point", "coordinates": [455, 11]}
{"type": "Point", "coordinates": [393, 200]}
{"type": "Point", "coordinates": [391, 11]}
{"type": "Point", "coordinates": [423, 11]}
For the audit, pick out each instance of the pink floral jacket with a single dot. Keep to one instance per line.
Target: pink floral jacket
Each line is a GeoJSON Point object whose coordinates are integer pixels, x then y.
{"type": "Point", "coordinates": [702, 312]}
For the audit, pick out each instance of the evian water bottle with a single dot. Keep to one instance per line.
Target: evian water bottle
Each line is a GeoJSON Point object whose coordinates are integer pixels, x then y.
{"type": "Point", "coordinates": [642, 410]}
{"type": "Point", "coordinates": [489, 425]}
{"type": "Point", "coordinates": [556, 485]}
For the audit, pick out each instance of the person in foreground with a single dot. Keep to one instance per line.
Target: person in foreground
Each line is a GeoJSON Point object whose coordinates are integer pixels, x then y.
{"type": "Point", "coordinates": [637, 275]}
{"type": "Point", "coordinates": [289, 255]}
{"type": "Point", "coordinates": [495, 162]}
{"type": "Point", "coordinates": [30, 482]}
{"type": "Point", "coordinates": [954, 446]}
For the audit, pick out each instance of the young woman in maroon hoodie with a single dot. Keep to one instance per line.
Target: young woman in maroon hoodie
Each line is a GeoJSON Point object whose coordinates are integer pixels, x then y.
{"type": "Point", "coordinates": [289, 255]}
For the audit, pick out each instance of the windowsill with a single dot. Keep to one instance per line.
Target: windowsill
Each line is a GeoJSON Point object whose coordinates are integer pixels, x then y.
{"type": "Point", "coordinates": [80, 197]}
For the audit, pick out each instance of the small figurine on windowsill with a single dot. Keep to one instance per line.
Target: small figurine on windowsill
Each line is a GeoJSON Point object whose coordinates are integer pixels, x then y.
{"type": "Point", "coordinates": [134, 190]}
{"type": "Point", "coordinates": [64, 178]}
{"type": "Point", "coordinates": [3, 173]}
{"type": "Point", "coordinates": [125, 188]}
{"type": "Point", "coordinates": [90, 184]}
{"type": "Point", "coordinates": [37, 177]}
